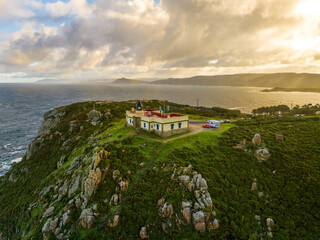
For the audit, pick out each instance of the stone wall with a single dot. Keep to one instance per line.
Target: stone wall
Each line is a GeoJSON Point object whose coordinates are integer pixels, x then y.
{"type": "Point", "coordinates": [173, 132]}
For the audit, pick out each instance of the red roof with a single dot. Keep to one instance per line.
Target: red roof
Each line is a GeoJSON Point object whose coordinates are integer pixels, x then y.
{"type": "Point", "coordinates": [153, 113]}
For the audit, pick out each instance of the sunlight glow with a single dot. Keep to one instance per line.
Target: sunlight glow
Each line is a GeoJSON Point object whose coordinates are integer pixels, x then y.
{"type": "Point", "coordinates": [308, 8]}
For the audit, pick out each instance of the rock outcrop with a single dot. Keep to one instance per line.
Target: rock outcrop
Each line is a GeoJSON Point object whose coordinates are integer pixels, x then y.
{"type": "Point", "coordinates": [50, 225]}
{"type": "Point", "coordinates": [256, 140]}
{"type": "Point", "coordinates": [48, 212]}
{"type": "Point", "coordinates": [94, 117]}
{"type": "Point", "coordinates": [86, 218]}
{"type": "Point", "coordinates": [91, 182]}
{"type": "Point", "coordinates": [262, 154]}
{"type": "Point", "coordinates": [195, 211]}
{"type": "Point", "coordinates": [143, 233]}
{"type": "Point", "coordinates": [51, 120]}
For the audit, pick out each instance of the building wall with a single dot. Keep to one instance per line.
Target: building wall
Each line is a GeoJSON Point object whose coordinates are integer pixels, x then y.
{"type": "Point", "coordinates": [173, 132]}
{"type": "Point", "coordinates": [128, 121]}
{"type": "Point", "coordinates": [147, 127]}
{"type": "Point", "coordinates": [167, 126]}
{"type": "Point", "coordinates": [138, 120]}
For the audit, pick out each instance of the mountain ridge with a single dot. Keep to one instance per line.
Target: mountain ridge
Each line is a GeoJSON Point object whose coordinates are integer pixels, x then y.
{"type": "Point", "coordinates": [241, 80]}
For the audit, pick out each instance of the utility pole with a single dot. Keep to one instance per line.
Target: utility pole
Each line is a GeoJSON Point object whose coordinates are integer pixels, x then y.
{"type": "Point", "coordinates": [197, 103]}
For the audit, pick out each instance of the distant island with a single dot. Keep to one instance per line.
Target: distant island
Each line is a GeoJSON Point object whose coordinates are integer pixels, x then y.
{"type": "Point", "coordinates": [278, 89]}
{"type": "Point", "coordinates": [128, 81]}
{"type": "Point", "coordinates": [272, 80]}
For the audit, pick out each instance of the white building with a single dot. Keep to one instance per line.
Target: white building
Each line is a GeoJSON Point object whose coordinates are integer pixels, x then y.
{"type": "Point", "coordinates": [154, 121]}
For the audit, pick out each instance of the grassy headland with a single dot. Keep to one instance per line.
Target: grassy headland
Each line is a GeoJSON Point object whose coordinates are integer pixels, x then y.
{"type": "Point", "coordinates": [287, 184]}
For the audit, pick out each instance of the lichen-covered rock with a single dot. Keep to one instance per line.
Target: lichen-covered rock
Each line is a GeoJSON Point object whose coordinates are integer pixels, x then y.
{"type": "Point", "coordinates": [187, 214]}
{"type": "Point", "coordinates": [187, 170]}
{"type": "Point", "coordinates": [48, 212]}
{"type": "Point", "coordinates": [76, 161]}
{"type": "Point", "coordinates": [50, 225]}
{"type": "Point", "coordinates": [166, 210]}
{"type": "Point", "coordinates": [74, 186]}
{"type": "Point", "coordinates": [65, 219]}
{"type": "Point", "coordinates": [115, 222]}
{"type": "Point", "coordinates": [124, 185]}
{"type": "Point", "coordinates": [200, 226]}
{"type": "Point", "coordinates": [61, 161]}
{"type": "Point", "coordinates": [198, 217]}
{"type": "Point", "coordinates": [114, 200]}
{"type": "Point", "coordinates": [262, 154]}
{"type": "Point", "coordinates": [73, 126]}
{"type": "Point", "coordinates": [254, 186]}
{"type": "Point", "coordinates": [161, 201]}
{"type": "Point", "coordinates": [186, 181]}
{"type": "Point", "coordinates": [185, 204]}
{"type": "Point", "coordinates": [212, 225]}
{"type": "Point", "coordinates": [91, 182]}
{"type": "Point", "coordinates": [94, 117]}
{"type": "Point", "coordinates": [270, 222]}
{"type": "Point", "coordinates": [50, 120]}
{"type": "Point", "coordinates": [46, 190]}
{"type": "Point", "coordinates": [86, 218]}
{"type": "Point", "coordinates": [115, 174]}
{"type": "Point", "coordinates": [99, 156]}
{"type": "Point", "coordinates": [33, 147]}
{"type": "Point", "coordinates": [63, 189]}
{"type": "Point", "coordinates": [256, 140]}
{"type": "Point", "coordinates": [143, 233]}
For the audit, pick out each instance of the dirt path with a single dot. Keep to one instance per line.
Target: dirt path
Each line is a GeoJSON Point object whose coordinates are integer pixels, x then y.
{"type": "Point", "coordinates": [194, 128]}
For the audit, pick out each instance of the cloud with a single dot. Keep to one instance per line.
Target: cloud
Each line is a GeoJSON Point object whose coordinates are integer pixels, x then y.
{"type": "Point", "coordinates": [179, 37]}
{"type": "Point", "coordinates": [16, 8]}
{"type": "Point", "coordinates": [64, 9]}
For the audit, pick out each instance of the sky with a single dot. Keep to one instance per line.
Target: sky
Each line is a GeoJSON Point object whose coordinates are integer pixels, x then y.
{"type": "Point", "coordinates": [141, 39]}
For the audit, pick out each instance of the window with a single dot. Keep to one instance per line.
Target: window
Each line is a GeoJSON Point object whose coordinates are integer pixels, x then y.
{"type": "Point", "coordinates": [172, 126]}
{"type": "Point", "coordinates": [130, 120]}
{"type": "Point", "coordinates": [144, 125]}
{"type": "Point", "coordinates": [179, 125]}
{"type": "Point", "coordinates": [157, 126]}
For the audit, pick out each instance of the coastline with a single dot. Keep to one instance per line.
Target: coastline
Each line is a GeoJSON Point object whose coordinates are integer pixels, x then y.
{"type": "Point", "coordinates": [278, 89]}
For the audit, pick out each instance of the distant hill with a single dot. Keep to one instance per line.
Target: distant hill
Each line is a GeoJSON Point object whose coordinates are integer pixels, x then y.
{"type": "Point", "coordinates": [289, 80]}
{"type": "Point", "coordinates": [128, 81]}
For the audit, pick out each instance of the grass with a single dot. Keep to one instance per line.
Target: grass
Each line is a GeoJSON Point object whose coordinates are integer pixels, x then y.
{"type": "Point", "coordinates": [194, 141]}
{"type": "Point", "coordinates": [205, 118]}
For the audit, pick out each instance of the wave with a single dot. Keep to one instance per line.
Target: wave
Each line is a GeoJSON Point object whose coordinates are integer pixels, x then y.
{"type": "Point", "coordinates": [16, 160]}
{"type": "Point", "coordinates": [7, 145]}
{"type": "Point", "coordinates": [15, 152]}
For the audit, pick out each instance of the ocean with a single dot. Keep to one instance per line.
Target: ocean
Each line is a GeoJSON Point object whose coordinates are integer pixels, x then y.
{"type": "Point", "coordinates": [23, 105]}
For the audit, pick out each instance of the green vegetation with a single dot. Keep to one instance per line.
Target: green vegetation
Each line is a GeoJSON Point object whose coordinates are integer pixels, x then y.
{"type": "Point", "coordinates": [307, 109]}
{"type": "Point", "coordinates": [288, 182]}
{"type": "Point", "coordinates": [272, 110]}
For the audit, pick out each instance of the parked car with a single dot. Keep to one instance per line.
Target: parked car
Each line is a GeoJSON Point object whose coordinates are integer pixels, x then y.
{"type": "Point", "coordinates": [213, 123]}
